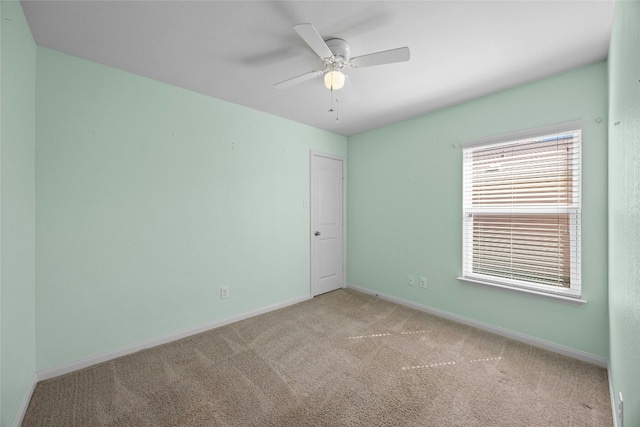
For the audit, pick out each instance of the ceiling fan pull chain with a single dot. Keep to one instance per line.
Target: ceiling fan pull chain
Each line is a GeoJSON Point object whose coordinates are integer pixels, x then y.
{"type": "Point", "coordinates": [331, 110]}
{"type": "Point", "coordinates": [337, 109]}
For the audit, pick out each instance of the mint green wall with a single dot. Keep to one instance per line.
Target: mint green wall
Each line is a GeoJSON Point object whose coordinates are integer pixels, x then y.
{"type": "Point", "coordinates": [17, 215]}
{"type": "Point", "coordinates": [1, 102]}
{"type": "Point", "coordinates": [624, 207]}
{"type": "Point", "coordinates": [150, 198]}
{"type": "Point", "coordinates": [404, 184]}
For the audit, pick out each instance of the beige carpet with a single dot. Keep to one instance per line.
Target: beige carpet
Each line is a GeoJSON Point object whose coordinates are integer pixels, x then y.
{"type": "Point", "coordinates": [341, 359]}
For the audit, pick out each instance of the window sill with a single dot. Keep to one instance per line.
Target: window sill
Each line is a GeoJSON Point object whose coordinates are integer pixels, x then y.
{"type": "Point", "coordinates": [561, 298]}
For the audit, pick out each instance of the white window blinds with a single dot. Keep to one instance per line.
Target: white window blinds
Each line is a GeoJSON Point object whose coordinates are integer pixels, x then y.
{"type": "Point", "coordinates": [521, 223]}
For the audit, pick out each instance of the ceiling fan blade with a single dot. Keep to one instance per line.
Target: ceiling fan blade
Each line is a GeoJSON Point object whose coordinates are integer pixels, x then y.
{"type": "Point", "coordinates": [299, 79]}
{"type": "Point", "coordinates": [349, 90]}
{"type": "Point", "coordinates": [310, 35]}
{"type": "Point", "coordinates": [385, 57]}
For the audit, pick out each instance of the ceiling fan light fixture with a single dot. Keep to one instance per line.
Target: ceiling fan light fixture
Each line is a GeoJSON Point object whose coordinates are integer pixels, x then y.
{"type": "Point", "coordinates": [334, 80]}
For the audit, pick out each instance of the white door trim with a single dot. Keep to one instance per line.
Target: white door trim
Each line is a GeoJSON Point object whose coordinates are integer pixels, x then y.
{"type": "Point", "coordinates": [312, 154]}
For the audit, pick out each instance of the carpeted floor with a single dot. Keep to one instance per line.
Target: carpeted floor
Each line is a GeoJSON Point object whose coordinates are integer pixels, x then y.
{"type": "Point", "coordinates": [340, 359]}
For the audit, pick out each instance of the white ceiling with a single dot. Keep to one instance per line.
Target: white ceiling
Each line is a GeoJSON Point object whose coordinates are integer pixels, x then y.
{"type": "Point", "coordinates": [237, 50]}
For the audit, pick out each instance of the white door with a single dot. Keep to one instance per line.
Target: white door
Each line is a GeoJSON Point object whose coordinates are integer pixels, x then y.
{"type": "Point", "coordinates": [327, 223]}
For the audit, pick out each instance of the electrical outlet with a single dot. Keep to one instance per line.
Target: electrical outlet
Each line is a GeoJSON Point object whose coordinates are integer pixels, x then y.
{"type": "Point", "coordinates": [224, 292]}
{"type": "Point", "coordinates": [423, 282]}
{"type": "Point", "coordinates": [410, 280]}
{"type": "Point", "coordinates": [620, 410]}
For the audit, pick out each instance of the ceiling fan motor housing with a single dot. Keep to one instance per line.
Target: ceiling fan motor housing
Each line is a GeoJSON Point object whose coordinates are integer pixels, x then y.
{"type": "Point", "coordinates": [341, 53]}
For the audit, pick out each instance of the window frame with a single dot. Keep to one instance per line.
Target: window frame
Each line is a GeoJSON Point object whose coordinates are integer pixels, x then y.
{"type": "Point", "coordinates": [574, 292]}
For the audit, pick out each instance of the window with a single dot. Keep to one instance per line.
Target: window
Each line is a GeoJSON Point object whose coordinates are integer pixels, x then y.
{"type": "Point", "coordinates": [521, 202]}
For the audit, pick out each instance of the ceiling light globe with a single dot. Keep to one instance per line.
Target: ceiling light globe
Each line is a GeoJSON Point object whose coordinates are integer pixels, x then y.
{"type": "Point", "coordinates": [334, 80]}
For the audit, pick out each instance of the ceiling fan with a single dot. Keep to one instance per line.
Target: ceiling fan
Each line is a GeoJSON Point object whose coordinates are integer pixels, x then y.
{"type": "Point", "coordinates": [336, 55]}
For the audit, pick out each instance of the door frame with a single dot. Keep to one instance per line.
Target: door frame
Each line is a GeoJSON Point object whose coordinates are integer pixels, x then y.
{"type": "Point", "coordinates": [312, 155]}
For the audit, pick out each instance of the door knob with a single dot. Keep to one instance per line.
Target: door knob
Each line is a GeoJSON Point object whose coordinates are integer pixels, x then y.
{"type": "Point", "coordinates": [317, 233]}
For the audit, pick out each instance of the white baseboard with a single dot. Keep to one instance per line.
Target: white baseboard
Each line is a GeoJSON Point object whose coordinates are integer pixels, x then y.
{"type": "Point", "coordinates": [66, 368]}
{"type": "Point", "coordinates": [25, 402]}
{"type": "Point", "coordinates": [517, 336]}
